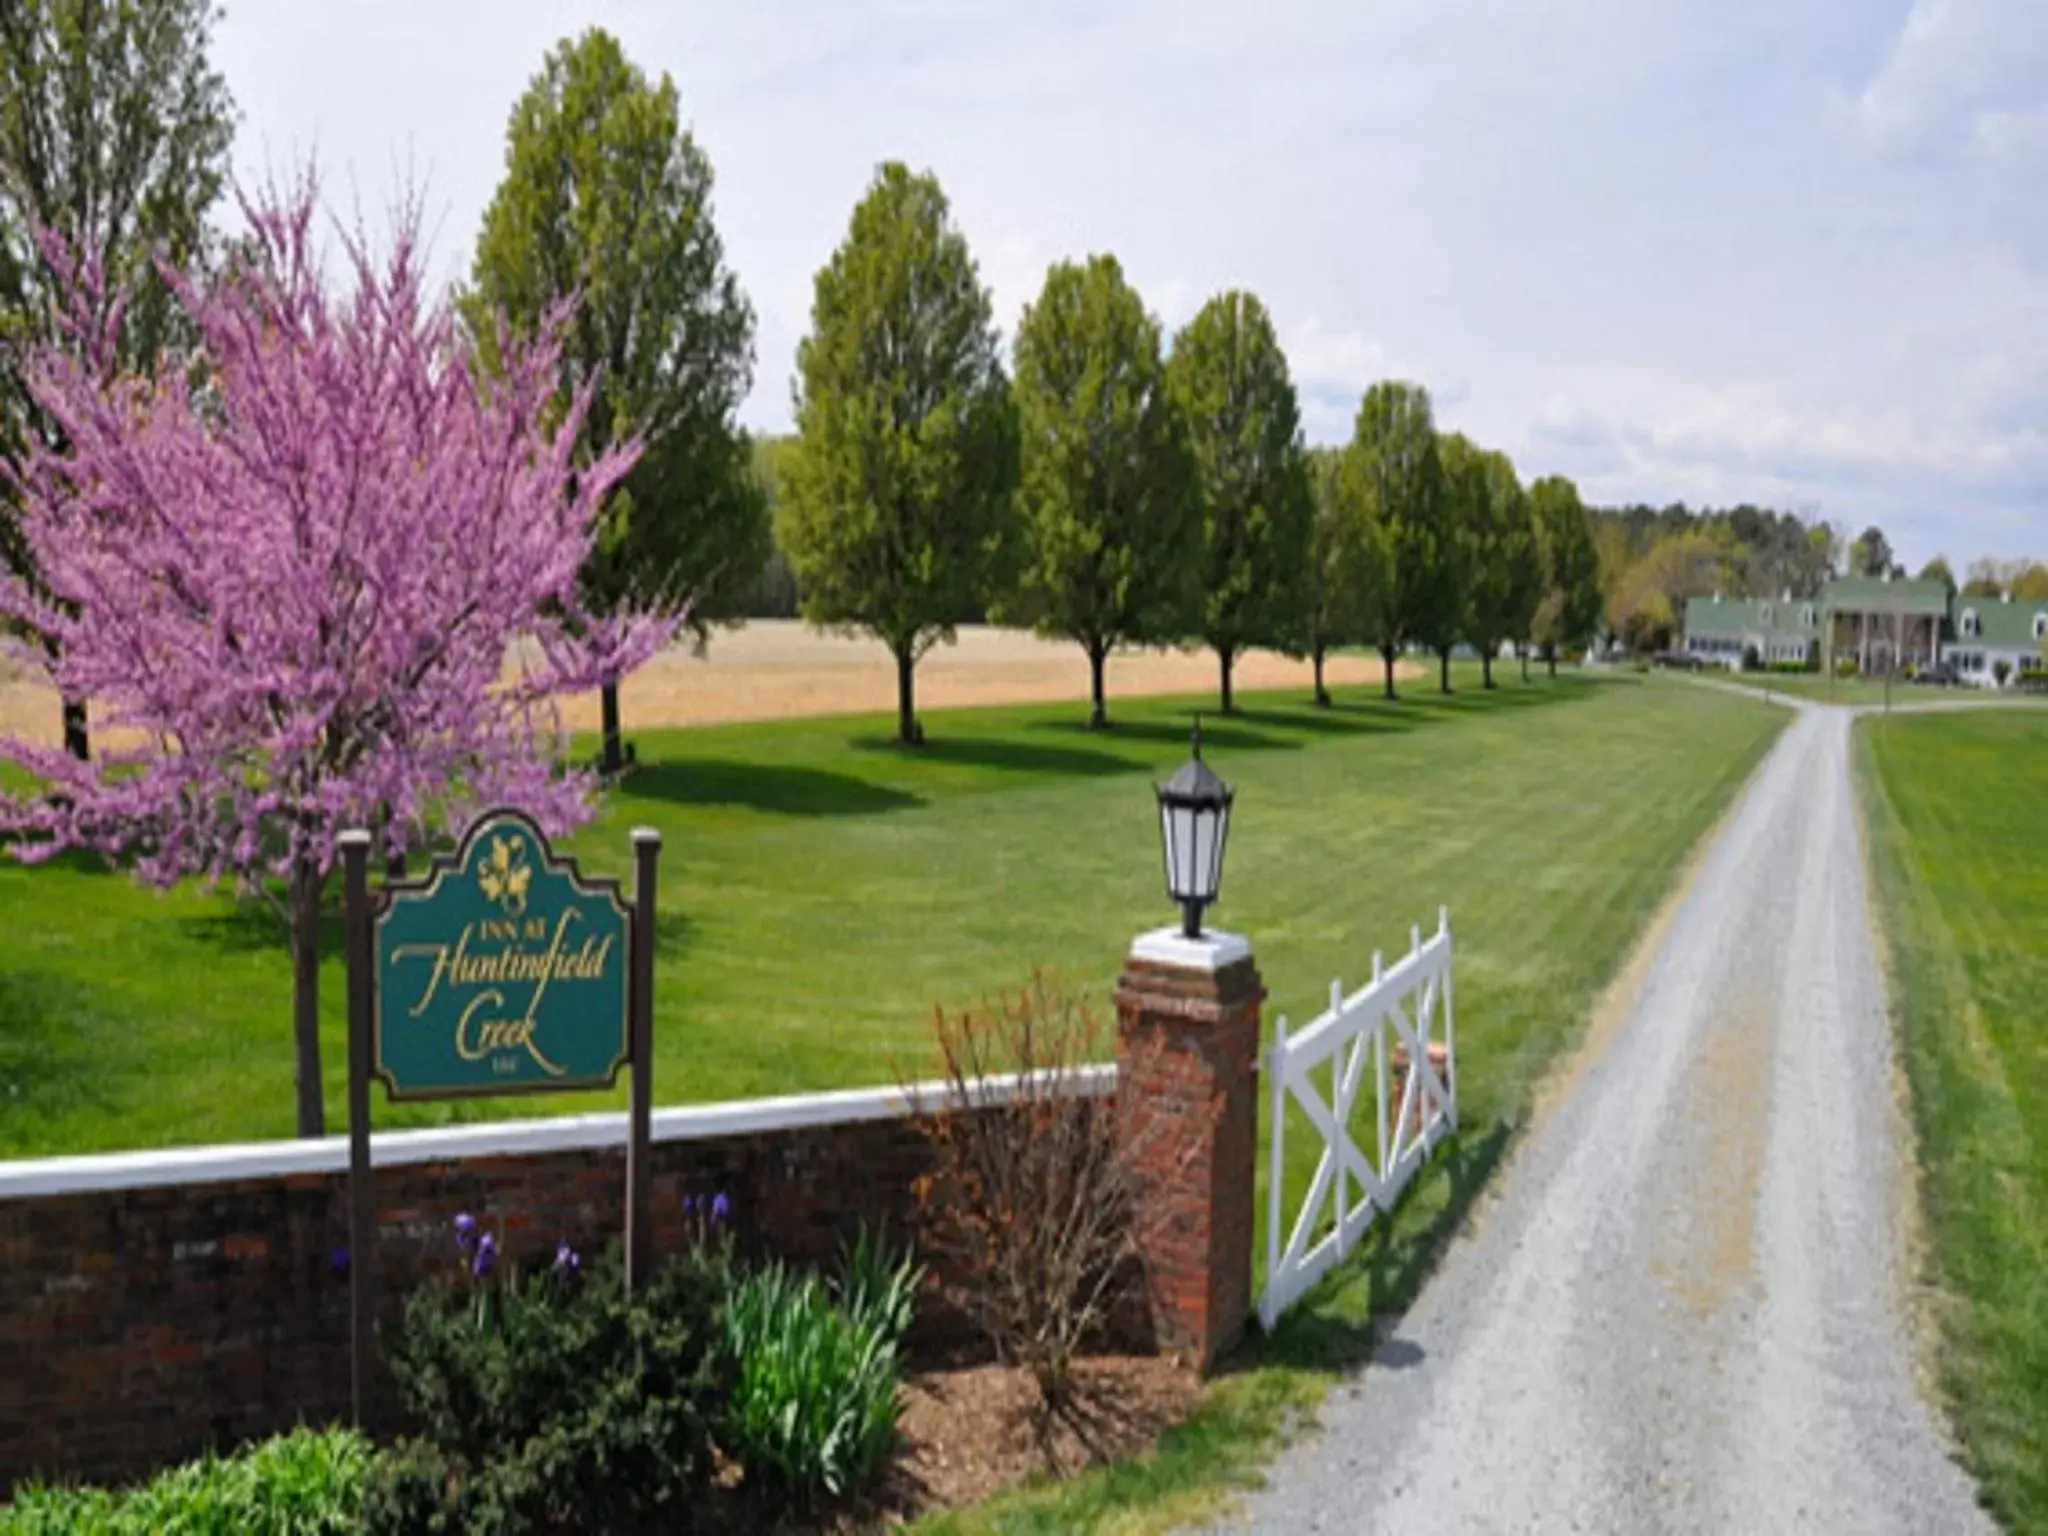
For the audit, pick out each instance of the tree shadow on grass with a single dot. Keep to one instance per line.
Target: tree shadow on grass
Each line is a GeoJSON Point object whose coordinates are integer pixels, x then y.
{"type": "Point", "coordinates": [776, 789]}
{"type": "Point", "coordinates": [73, 861]}
{"type": "Point", "coordinates": [249, 925]}
{"type": "Point", "coordinates": [673, 934]}
{"type": "Point", "coordinates": [52, 1063]}
{"type": "Point", "coordinates": [1218, 731]}
{"type": "Point", "coordinates": [1006, 755]}
{"type": "Point", "coordinates": [1394, 1262]}
{"type": "Point", "coordinates": [1472, 700]}
{"type": "Point", "coordinates": [1342, 718]}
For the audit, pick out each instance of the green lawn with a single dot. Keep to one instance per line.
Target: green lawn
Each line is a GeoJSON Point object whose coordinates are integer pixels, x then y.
{"type": "Point", "coordinates": [1957, 808]}
{"type": "Point", "coordinates": [822, 889]}
{"type": "Point", "coordinates": [1845, 690]}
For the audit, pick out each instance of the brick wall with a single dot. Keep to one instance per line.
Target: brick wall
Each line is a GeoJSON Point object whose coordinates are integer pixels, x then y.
{"type": "Point", "coordinates": [153, 1306]}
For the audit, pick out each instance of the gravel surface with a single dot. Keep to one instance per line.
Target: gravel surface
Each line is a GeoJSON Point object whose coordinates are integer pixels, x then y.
{"type": "Point", "coordinates": [1683, 1310]}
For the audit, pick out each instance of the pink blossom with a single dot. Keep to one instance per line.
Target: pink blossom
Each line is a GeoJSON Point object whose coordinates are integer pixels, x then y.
{"type": "Point", "coordinates": [295, 562]}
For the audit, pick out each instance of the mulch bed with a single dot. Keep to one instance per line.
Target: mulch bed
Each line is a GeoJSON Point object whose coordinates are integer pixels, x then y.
{"type": "Point", "coordinates": [967, 1433]}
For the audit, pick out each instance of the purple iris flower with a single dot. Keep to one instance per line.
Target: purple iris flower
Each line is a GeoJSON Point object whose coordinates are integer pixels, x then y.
{"type": "Point", "coordinates": [486, 1258]}
{"type": "Point", "coordinates": [721, 1208]}
{"type": "Point", "coordinates": [567, 1263]}
{"type": "Point", "coordinates": [337, 1263]}
{"type": "Point", "coordinates": [465, 1232]}
{"type": "Point", "coordinates": [689, 1205]}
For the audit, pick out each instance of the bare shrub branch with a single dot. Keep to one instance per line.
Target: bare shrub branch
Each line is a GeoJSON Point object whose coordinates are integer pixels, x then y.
{"type": "Point", "coordinates": [1044, 1194]}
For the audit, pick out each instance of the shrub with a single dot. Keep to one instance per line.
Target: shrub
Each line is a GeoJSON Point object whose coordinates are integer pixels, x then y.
{"type": "Point", "coordinates": [1032, 1205]}
{"type": "Point", "coordinates": [306, 1483]}
{"type": "Point", "coordinates": [550, 1404]}
{"type": "Point", "coordinates": [878, 1288]}
{"type": "Point", "coordinates": [815, 1411]}
{"type": "Point", "coordinates": [1845, 666]}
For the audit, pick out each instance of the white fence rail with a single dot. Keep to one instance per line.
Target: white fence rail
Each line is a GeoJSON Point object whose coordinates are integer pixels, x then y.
{"type": "Point", "coordinates": [1410, 1000]}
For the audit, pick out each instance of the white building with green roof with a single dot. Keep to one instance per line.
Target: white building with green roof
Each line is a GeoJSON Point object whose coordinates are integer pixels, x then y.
{"type": "Point", "coordinates": [1884, 625]}
{"type": "Point", "coordinates": [1990, 630]}
{"type": "Point", "coordinates": [1735, 631]}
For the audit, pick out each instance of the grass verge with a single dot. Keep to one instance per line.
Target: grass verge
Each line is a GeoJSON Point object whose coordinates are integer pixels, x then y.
{"type": "Point", "coordinates": [1957, 812]}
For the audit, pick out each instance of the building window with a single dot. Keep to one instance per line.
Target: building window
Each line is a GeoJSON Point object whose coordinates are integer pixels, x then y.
{"type": "Point", "coordinates": [1967, 625]}
{"type": "Point", "coordinates": [1806, 616]}
{"type": "Point", "coordinates": [2041, 626]}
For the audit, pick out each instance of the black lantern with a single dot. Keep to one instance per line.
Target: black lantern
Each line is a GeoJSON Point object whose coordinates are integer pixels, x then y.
{"type": "Point", "coordinates": [1194, 816]}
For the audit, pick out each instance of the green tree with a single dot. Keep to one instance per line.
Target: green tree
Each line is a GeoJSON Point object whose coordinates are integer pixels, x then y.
{"type": "Point", "coordinates": [1986, 579]}
{"type": "Point", "coordinates": [606, 199]}
{"type": "Point", "coordinates": [114, 137]}
{"type": "Point", "coordinates": [896, 506]}
{"type": "Point", "coordinates": [1347, 572]}
{"type": "Point", "coordinates": [1504, 577]}
{"type": "Point", "coordinates": [1442, 615]}
{"type": "Point", "coordinates": [1110, 516]}
{"type": "Point", "coordinates": [1938, 569]}
{"type": "Point", "coordinates": [1871, 554]}
{"type": "Point", "coordinates": [1393, 453]}
{"type": "Point", "coordinates": [1573, 602]}
{"type": "Point", "coordinates": [1571, 605]}
{"type": "Point", "coordinates": [2030, 584]}
{"type": "Point", "coordinates": [1230, 380]}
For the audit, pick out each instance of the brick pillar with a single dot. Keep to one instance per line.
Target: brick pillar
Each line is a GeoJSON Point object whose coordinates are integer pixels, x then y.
{"type": "Point", "coordinates": [1187, 1097]}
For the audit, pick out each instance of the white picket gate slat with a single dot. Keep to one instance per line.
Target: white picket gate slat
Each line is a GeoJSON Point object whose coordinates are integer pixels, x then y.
{"type": "Point", "coordinates": [1402, 1142]}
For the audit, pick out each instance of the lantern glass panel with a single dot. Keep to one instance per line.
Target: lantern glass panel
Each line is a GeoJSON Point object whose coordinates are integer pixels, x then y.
{"type": "Point", "coordinates": [1221, 824]}
{"type": "Point", "coordinates": [1185, 818]}
{"type": "Point", "coordinates": [1202, 877]}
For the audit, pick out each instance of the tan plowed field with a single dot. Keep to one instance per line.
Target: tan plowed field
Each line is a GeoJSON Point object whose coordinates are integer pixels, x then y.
{"type": "Point", "coordinates": [773, 668]}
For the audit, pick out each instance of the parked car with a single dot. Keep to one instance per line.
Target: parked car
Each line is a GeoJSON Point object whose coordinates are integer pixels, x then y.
{"type": "Point", "coordinates": [1940, 676]}
{"type": "Point", "coordinates": [1685, 661]}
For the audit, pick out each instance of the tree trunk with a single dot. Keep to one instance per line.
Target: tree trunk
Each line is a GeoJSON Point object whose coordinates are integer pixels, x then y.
{"type": "Point", "coordinates": [1227, 656]}
{"type": "Point", "coordinates": [1486, 669]}
{"type": "Point", "coordinates": [76, 741]}
{"type": "Point", "coordinates": [1443, 660]}
{"type": "Point", "coordinates": [1387, 666]}
{"type": "Point", "coordinates": [614, 759]}
{"type": "Point", "coordinates": [1523, 652]}
{"type": "Point", "coordinates": [1322, 693]}
{"type": "Point", "coordinates": [1550, 660]}
{"type": "Point", "coordinates": [1098, 708]}
{"type": "Point", "coordinates": [305, 919]}
{"type": "Point", "coordinates": [908, 732]}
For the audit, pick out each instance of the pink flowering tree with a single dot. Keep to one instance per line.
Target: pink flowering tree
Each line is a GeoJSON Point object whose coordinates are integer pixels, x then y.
{"type": "Point", "coordinates": [318, 573]}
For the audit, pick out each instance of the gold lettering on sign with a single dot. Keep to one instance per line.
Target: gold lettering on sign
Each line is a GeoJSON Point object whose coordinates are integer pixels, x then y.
{"type": "Point", "coordinates": [482, 1030]}
{"type": "Point", "coordinates": [477, 1036]}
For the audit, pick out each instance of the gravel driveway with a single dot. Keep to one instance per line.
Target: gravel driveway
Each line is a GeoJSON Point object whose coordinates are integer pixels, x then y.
{"type": "Point", "coordinates": [1682, 1311]}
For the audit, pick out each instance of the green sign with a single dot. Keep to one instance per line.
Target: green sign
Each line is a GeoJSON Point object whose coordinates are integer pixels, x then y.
{"type": "Point", "coordinates": [502, 971]}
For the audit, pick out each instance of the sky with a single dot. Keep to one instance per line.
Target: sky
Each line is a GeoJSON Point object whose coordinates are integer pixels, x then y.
{"type": "Point", "coordinates": [1787, 251]}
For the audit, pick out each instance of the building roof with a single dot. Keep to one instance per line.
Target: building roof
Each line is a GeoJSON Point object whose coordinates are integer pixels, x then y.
{"type": "Point", "coordinates": [2000, 625]}
{"type": "Point", "coordinates": [1737, 616]}
{"type": "Point", "coordinates": [1873, 594]}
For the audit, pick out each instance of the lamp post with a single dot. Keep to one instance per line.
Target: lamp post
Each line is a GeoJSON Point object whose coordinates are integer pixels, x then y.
{"type": "Point", "coordinates": [1194, 820]}
{"type": "Point", "coordinates": [1187, 1073]}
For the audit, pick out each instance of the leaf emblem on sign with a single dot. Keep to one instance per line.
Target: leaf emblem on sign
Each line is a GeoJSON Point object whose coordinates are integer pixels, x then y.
{"type": "Point", "coordinates": [504, 875]}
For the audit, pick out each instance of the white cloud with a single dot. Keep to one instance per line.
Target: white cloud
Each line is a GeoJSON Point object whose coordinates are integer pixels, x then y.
{"type": "Point", "coordinates": [1708, 249]}
{"type": "Point", "coordinates": [1961, 74]}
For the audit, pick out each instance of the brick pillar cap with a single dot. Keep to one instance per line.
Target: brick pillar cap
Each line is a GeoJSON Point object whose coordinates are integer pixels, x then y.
{"type": "Point", "coordinates": [1213, 951]}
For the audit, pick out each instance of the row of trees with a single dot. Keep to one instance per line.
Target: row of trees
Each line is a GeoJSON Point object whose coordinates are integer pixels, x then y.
{"type": "Point", "coordinates": [1121, 490]}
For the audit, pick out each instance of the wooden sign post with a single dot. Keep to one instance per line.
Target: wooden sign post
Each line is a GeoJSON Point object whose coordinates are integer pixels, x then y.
{"type": "Point", "coordinates": [501, 970]}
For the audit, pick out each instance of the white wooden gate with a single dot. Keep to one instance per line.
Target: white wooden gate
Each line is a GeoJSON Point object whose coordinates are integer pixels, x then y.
{"type": "Point", "coordinates": [1348, 1191]}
